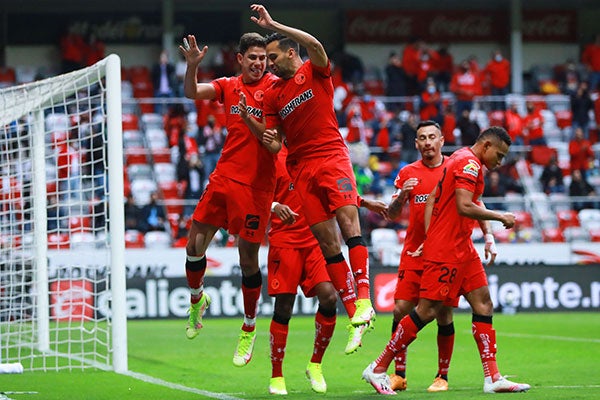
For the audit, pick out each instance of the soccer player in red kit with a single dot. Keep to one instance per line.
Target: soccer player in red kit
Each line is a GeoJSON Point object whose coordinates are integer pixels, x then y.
{"type": "Point", "coordinates": [450, 210]}
{"type": "Point", "coordinates": [414, 183]}
{"type": "Point", "coordinates": [300, 105]}
{"type": "Point", "coordinates": [240, 189]}
{"type": "Point", "coordinates": [296, 260]}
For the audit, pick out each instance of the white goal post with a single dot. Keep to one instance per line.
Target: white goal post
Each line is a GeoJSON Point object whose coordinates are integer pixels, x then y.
{"type": "Point", "coordinates": [61, 195]}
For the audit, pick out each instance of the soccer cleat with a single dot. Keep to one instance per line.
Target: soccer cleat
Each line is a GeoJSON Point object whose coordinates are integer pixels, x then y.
{"type": "Point", "coordinates": [381, 382]}
{"type": "Point", "coordinates": [364, 312]}
{"type": "Point", "coordinates": [355, 337]}
{"type": "Point", "coordinates": [277, 385]}
{"type": "Point", "coordinates": [397, 382]}
{"type": "Point", "coordinates": [314, 373]}
{"type": "Point", "coordinates": [439, 385]}
{"type": "Point", "coordinates": [503, 385]}
{"type": "Point", "coordinates": [245, 346]}
{"type": "Point", "coordinates": [196, 312]}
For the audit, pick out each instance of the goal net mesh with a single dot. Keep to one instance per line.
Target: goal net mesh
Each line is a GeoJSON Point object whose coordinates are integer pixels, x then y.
{"type": "Point", "coordinates": [55, 250]}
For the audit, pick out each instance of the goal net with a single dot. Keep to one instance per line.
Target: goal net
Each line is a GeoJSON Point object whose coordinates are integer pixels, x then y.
{"type": "Point", "coordinates": [62, 274]}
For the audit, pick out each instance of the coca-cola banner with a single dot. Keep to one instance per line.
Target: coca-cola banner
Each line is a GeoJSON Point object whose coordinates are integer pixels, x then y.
{"type": "Point", "coordinates": [392, 26]}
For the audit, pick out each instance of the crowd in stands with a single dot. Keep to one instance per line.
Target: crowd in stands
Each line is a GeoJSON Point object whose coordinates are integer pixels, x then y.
{"type": "Point", "coordinates": [378, 118]}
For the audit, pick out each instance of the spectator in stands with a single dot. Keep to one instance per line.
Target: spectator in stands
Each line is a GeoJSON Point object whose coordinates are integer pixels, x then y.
{"type": "Point", "coordinates": [395, 79]}
{"type": "Point", "coordinates": [568, 77]}
{"type": "Point", "coordinates": [514, 124]}
{"type": "Point", "coordinates": [465, 85]}
{"type": "Point", "coordinates": [494, 187]}
{"type": "Point", "coordinates": [552, 177]}
{"type": "Point", "coordinates": [580, 152]}
{"type": "Point", "coordinates": [497, 72]}
{"type": "Point", "coordinates": [448, 126]}
{"type": "Point", "coordinates": [580, 187]}
{"type": "Point", "coordinates": [342, 95]}
{"type": "Point", "coordinates": [133, 215]}
{"type": "Point", "coordinates": [212, 137]}
{"type": "Point", "coordinates": [72, 50]}
{"type": "Point", "coordinates": [534, 126]}
{"type": "Point", "coordinates": [427, 65]}
{"type": "Point", "coordinates": [469, 129]}
{"type": "Point", "coordinates": [163, 81]}
{"type": "Point", "coordinates": [581, 105]}
{"type": "Point", "coordinates": [408, 132]}
{"type": "Point", "coordinates": [591, 59]}
{"type": "Point", "coordinates": [411, 56]}
{"type": "Point", "coordinates": [153, 216]}
{"type": "Point", "coordinates": [191, 176]}
{"type": "Point", "coordinates": [444, 69]}
{"type": "Point", "coordinates": [431, 102]}
{"type": "Point", "coordinates": [175, 122]}
{"type": "Point", "coordinates": [95, 50]}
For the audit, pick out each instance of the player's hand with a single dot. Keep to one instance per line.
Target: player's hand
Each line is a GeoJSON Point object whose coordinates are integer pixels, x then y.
{"type": "Point", "coordinates": [508, 220]}
{"type": "Point", "coordinates": [490, 249]}
{"type": "Point", "coordinates": [193, 55]}
{"type": "Point", "coordinates": [410, 184]}
{"type": "Point", "coordinates": [377, 206]}
{"type": "Point", "coordinates": [264, 19]}
{"type": "Point", "coordinates": [286, 214]}
{"type": "Point", "coordinates": [269, 136]}
{"type": "Point", "coordinates": [242, 106]}
{"type": "Point", "coordinates": [417, 253]}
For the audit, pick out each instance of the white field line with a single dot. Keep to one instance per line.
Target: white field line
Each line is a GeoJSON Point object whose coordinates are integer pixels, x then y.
{"type": "Point", "coordinates": [176, 386]}
{"type": "Point", "coordinates": [550, 337]}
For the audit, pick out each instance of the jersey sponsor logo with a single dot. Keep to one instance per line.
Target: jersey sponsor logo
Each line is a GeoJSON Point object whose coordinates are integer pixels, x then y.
{"type": "Point", "coordinates": [421, 198]}
{"type": "Point", "coordinates": [472, 168]}
{"type": "Point", "coordinates": [295, 103]}
{"type": "Point", "coordinates": [252, 221]}
{"type": "Point", "coordinates": [300, 79]}
{"type": "Point", "coordinates": [344, 185]}
{"type": "Point", "coordinates": [255, 112]}
{"type": "Point", "coordinates": [259, 95]}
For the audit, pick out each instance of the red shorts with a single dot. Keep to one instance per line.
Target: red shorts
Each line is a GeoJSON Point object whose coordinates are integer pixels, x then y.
{"type": "Point", "coordinates": [442, 281]}
{"type": "Point", "coordinates": [239, 208]}
{"type": "Point", "coordinates": [408, 287]}
{"type": "Point", "coordinates": [325, 184]}
{"type": "Point", "coordinates": [289, 268]}
{"type": "Point", "coordinates": [474, 278]}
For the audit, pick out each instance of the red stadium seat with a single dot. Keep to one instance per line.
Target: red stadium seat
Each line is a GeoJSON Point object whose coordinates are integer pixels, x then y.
{"type": "Point", "coordinates": [564, 118]}
{"type": "Point", "coordinates": [135, 155]}
{"type": "Point", "coordinates": [134, 239]}
{"type": "Point", "coordinates": [541, 155]}
{"type": "Point", "coordinates": [595, 235]}
{"type": "Point", "coordinates": [553, 235]}
{"type": "Point", "coordinates": [80, 224]}
{"type": "Point", "coordinates": [58, 241]}
{"type": "Point", "coordinates": [567, 218]}
{"type": "Point", "coordinates": [523, 218]}
{"type": "Point", "coordinates": [130, 122]}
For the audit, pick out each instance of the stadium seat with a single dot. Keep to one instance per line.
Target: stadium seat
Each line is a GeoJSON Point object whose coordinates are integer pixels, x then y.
{"type": "Point", "coordinates": [514, 201]}
{"type": "Point", "coordinates": [554, 235]}
{"type": "Point", "coordinates": [152, 121]}
{"type": "Point", "coordinates": [57, 122]}
{"type": "Point", "coordinates": [141, 190]}
{"type": "Point", "coordinates": [161, 155]}
{"type": "Point", "coordinates": [134, 239]}
{"type": "Point", "coordinates": [503, 235]}
{"type": "Point", "coordinates": [156, 138]}
{"type": "Point", "coordinates": [169, 189]}
{"type": "Point", "coordinates": [589, 218]}
{"type": "Point", "coordinates": [139, 171]}
{"type": "Point", "coordinates": [383, 236]}
{"type": "Point", "coordinates": [165, 172]}
{"type": "Point", "coordinates": [130, 122]}
{"type": "Point", "coordinates": [559, 201]}
{"type": "Point", "coordinates": [139, 73]}
{"type": "Point", "coordinates": [576, 233]}
{"type": "Point", "coordinates": [83, 240]}
{"type": "Point", "coordinates": [157, 239]}
{"type": "Point", "coordinates": [132, 139]}
{"type": "Point", "coordinates": [80, 223]}
{"type": "Point", "coordinates": [567, 218]}
{"type": "Point", "coordinates": [136, 155]}
{"type": "Point", "coordinates": [523, 218]}
{"type": "Point", "coordinates": [126, 90]}
{"type": "Point", "coordinates": [58, 241]}
{"type": "Point", "coordinates": [594, 235]}
{"type": "Point", "coordinates": [564, 118]}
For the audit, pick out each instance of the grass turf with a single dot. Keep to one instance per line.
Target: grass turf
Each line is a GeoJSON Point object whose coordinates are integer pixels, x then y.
{"type": "Point", "coordinates": [557, 353]}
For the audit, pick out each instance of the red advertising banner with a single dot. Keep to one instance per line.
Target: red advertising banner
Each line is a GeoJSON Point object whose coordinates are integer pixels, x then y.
{"type": "Point", "coordinates": [393, 26]}
{"type": "Point", "coordinates": [71, 300]}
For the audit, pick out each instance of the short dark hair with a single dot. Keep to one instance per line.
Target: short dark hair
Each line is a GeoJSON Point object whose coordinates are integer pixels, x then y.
{"type": "Point", "coordinates": [251, 39]}
{"type": "Point", "coordinates": [428, 122]}
{"type": "Point", "coordinates": [284, 42]}
{"type": "Point", "coordinates": [495, 132]}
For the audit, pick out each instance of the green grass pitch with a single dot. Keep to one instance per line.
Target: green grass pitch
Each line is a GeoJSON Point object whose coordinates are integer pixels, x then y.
{"type": "Point", "coordinates": [557, 353]}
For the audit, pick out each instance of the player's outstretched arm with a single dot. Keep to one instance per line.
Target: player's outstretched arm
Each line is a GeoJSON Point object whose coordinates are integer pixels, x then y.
{"type": "Point", "coordinates": [193, 57]}
{"type": "Point", "coordinates": [314, 48]}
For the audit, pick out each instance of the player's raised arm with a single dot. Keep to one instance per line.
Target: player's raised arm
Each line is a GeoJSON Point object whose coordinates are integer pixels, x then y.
{"type": "Point", "coordinates": [314, 48]}
{"type": "Point", "coordinates": [193, 57]}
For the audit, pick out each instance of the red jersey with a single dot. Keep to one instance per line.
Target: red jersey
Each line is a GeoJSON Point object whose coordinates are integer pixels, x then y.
{"type": "Point", "coordinates": [449, 235]}
{"type": "Point", "coordinates": [303, 107]}
{"type": "Point", "coordinates": [244, 159]}
{"type": "Point", "coordinates": [415, 234]}
{"type": "Point", "coordinates": [499, 73]}
{"type": "Point", "coordinates": [297, 235]}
